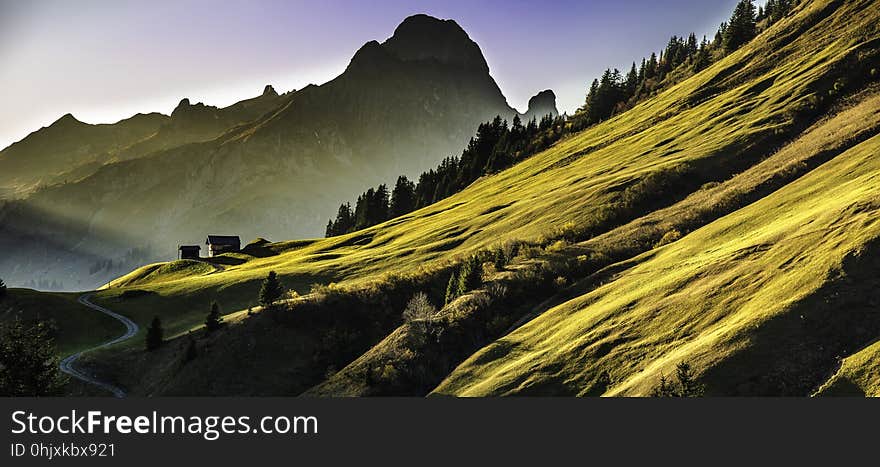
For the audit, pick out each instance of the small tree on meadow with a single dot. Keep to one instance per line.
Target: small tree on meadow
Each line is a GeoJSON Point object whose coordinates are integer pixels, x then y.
{"type": "Point", "coordinates": [420, 312]}
{"type": "Point", "coordinates": [214, 319]}
{"type": "Point", "coordinates": [271, 290]}
{"type": "Point", "coordinates": [154, 334]}
{"type": "Point", "coordinates": [2, 289]}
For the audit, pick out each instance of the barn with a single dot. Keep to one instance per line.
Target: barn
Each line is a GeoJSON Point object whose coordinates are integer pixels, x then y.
{"type": "Point", "coordinates": [188, 252]}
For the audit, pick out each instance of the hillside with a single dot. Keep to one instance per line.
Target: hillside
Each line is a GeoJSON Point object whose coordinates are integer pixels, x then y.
{"type": "Point", "coordinates": [399, 107]}
{"type": "Point", "coordinates": [729, 222]}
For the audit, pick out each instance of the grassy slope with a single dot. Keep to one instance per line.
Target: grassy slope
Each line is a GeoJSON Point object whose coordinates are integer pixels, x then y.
{"type": "Point", "coordinates": [570, 183]}
{"type": "Point", "coordinates": [826, 139]}
{"type": "Point", "coordinates": [859, 375]}
{"type": "Point", "coordinates": [79, 327]}
{"type": "Point", "coordinates": [700, 299]}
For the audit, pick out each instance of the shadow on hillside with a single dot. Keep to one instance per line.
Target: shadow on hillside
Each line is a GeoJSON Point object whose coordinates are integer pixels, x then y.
{"type": "Point", "coordinates": [795, 352]}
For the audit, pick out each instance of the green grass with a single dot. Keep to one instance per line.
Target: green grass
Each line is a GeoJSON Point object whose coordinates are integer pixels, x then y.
{"type": "Point", "coordinates": [700, 299]}
{"type": "Point", "coordinates": [78, 327]}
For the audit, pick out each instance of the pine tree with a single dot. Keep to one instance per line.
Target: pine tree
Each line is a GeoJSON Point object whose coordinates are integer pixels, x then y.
{"type": "Point", "coordinates": [154, 337]}
{"type": "Point", "coordinates": [330, 231]}
{"type": "Point", "coordinates": [28, 357]}
{"type": "Point", "coordinates": [470, 276]}
{"type": "Point", "coordinates": [2, 289]}
{"type": "Point", "coordinates": [719, 35]}
{"type": "Point", "coordinates": [271, 290]}
{"type": "Point", "coordinates": [451, 288]}
{"type": "Point", "coordinates": [379, 211]}
{"type": "Point", "coordinates": [403, 197]}
{"type": "Point", "coordinates": [742, 27]}
{"type": "Point", "coordinates": [214, 320]}
{"type": "Point", "coordinates": [651, 67]}
{"type": "Point", "coordinates": [632, 83]}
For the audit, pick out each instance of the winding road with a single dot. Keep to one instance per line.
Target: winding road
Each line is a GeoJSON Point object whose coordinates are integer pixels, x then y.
{"type": "Point", "coordinates": [131, 328]}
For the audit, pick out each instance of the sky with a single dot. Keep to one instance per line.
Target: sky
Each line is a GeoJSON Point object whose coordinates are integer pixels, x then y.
{"type": "Point", "coordinates": [105, 60]}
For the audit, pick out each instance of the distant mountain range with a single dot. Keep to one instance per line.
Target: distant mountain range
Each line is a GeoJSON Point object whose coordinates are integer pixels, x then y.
{"type": "Point", "coordinates": [87, 202]}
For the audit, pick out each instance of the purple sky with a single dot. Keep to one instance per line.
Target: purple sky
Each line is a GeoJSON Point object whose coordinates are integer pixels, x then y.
{"type": "Point", "coordinates": [106, 60]}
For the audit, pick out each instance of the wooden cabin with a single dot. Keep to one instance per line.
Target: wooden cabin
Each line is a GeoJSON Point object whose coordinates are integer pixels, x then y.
{"type": "Point", "coordinates": [218, 244]}
{"type": "Point", "coordinates": [189, 252]}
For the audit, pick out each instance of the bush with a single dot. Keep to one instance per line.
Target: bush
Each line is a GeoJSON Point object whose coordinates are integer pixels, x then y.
{"type": "Point", "coordinates": [557, 246]}
{"type": "Point", "coordinates": [500, 260]}
{"type": "Point", "coordinates": [560, 282]}
{"type": "Point", "coordinates": [214, 319]}
{"type": "Point", "coordinates": [669, 237]}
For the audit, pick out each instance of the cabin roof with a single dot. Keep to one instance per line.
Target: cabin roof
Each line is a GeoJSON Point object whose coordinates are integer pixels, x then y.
{"type": "Point", "coordinates": [189, 247]}
{"type": "Point", "coordinates": [223, 240]}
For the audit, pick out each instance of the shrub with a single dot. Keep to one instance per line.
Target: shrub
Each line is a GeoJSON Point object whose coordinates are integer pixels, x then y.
{"type": "Point", "coordinates": [560, 282]}
{"type": "Point", "coordinates": [497, 290]}
{"type": "Point", "coordinates": [669, 237]}
{"type": "Point", "coordinates": [557, 246]}
{"type": "Point", "coordinates": [500, 260]}
{"type": "Point", "coordinates": [214, 320]}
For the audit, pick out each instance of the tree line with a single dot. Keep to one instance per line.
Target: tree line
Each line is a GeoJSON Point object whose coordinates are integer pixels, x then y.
{"type": "Point", "coordinates": [498, 145]}
{"type": "Point", "coordinates": [614, 92]}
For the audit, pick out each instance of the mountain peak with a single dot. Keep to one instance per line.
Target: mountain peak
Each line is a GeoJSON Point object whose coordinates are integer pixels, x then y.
{"type": "Point", "coordinates": [66, 119]}
{"type": "Point", "coordinates": [423, 37]}
{"type": "Point", "coordinates": [269, 91]}
{"type": "Point", "coordinates": [542, 104]}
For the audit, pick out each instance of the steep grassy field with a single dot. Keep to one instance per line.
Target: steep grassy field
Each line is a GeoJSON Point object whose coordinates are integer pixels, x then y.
{"type": "Point", "coordinates": [730, 221]}
{"type": "Point", "coordinates": [735, 298]}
